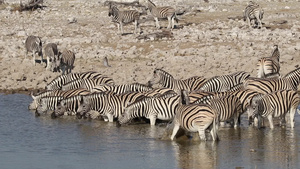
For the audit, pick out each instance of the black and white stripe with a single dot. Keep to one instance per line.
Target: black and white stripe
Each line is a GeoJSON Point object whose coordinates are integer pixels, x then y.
{"type": "Point", "coordinates": [196, 118]}
{"type": "Point", "coordinates": [51, 53]}
{"type": "Point", "coordinates": [289, 81]}
{"type": "Point", "coordinates": [269, 66]}
{"type": "Point", "coordinates": [162, 12]}
{"type": "Point", "coordinates": [123, 88]}
{"type": "Point", "coordinates": [34, 44]}
{"type": "Point", "coordinates": [66, 61]}
{"type": "Point", "coordinates": [253, 12]}
{"type": "Point", "coordinates": [67, 106]}
{"type": "Point", "coordinates": [124, 17]}
{"type": "Point", "coordinates": [164, 79]}
{"type": "Point", "coordinates": [87, 83]}
{"type": "Point", "coordinates": [152, 108]}
{"type": "Point", "coordinates": [59, 81]}
{"type": "Point", "coordinates": [275, 104]}
{"type": "Point", "coordinates": [225, 82]}
{"type": "Point", "coordinates": [48, 103]}
{"type": "Point", "coordinates": [37, 98]}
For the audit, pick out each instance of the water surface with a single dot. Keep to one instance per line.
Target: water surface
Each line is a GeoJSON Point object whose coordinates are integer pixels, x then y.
{"type": "Point", "coordinates": [30, 142]}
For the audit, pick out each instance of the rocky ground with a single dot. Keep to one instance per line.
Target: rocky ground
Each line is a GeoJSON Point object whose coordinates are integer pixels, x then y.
{"type": "Point", "coordinates": [210, 39]}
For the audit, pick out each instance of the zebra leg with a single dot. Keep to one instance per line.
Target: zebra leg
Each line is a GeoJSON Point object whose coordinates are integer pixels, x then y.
{"type": "Point", "coordinates": [110, 117]}
{"type": "Point", "coordinates": [202, 134]}
{"type": "Point", "coordinates": [169, 25]}
{"type": "Point", "coordinates": [156, 23]}
{"type": "Point", "coordinates": [249, 22]}
{"type": "Point", "coordinates": [173, 23]}
{"type": "Point", "coordinates": [175, 130]}
{"type": "Point", "coordinates": [152, 120]}
{"type": "Point", "coordinates": [270, 118]}
{"type": "Point", "coordinates": [34, 58]}
{"type": "Point", "coordinates": [121, 25]}
{"type": "Point", "coordinates": [48, 63]}
{"type": "Point", "coordinates": [292, 116]}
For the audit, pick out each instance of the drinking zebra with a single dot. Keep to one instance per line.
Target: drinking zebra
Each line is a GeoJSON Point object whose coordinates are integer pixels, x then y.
{"type": "Point", "coordinates": [37, 98]}
{"type": "Point", "coordinates": [196, 118]}
{"type": "Point", "coordinates": [48, 103]}
{"type": "Point", "coordinates": [269, 66]}
{"type": "Point", "coordinates": [152, 108]}
{"type": "Point", "coordinates": [264, 86]}
{"type": "Point", "coordinates": [68, 106]}
{"type": "Point", "coordinates": [66, 61]}
{"type": "Point", "coordinates": [124, 17]}
{"type": "Point", "coordinates": [164, 79]}
{"type": "Point", "coordinates": [225, 82]}
{"type": "Point", "coordinates": [253, 12]}
{"type": "Point", "coordinates": [123, 88]}
{"type": "Point", "coordinates": [34, 44]}
{"type": "Point", "coordinates": [51, 53]}
{"type": "Point", "coordinates": [59, 81]}
{"type": "Point", "coordinates": [275, 104]}
{"type": "Point", "coordinates": [162, 12]}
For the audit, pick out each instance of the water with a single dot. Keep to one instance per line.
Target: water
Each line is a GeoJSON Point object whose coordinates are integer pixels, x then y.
{"type": "Point", "coordinates": [28, 142]}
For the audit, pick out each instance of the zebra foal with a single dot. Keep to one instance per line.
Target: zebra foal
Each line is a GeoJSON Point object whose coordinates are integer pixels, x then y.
{"type": "Point", "coordinates": [253, 12]}
{"type": "Point", "coordinates": [51, 53]}
{"type": "Point", "coordinates": [66, 61]}
{"type": "Point", "coordinates": [34, 44]}
{"type": "Point", "coordinates": [275, 104]}
{"type": "Point", "coordinates": [269, 66]}
{"type": "Point", "coordinates": [162, 12]}
{"type": "Point", "coordinates": [124, 17]}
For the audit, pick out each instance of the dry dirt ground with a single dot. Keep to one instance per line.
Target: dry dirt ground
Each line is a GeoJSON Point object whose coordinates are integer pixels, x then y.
{"type": "Point", "coordinates": [210, 39]}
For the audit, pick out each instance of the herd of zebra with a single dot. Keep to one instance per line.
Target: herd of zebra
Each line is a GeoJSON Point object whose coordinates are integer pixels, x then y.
{"type": "Point", "coordinates": [253, 14]}
{"type": "Point", "coordinates": [196, 104]}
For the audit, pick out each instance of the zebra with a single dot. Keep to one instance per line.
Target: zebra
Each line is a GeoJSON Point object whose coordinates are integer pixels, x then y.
{"type": "Point", "coordinates": [275, 104]}
{"type": "Point", "coordinates": [152, 108]}
{"type": "Point", "coordinates": [123, 88]}
{"type": "Point", "coordinates": [34, 44]}
{"type": "Point", "coordinates": [227, 106]}
{"type": "Point", "coordinates": [74, 92]}
{"type": "Point", "coordinates": [253, 12]}
{"type": "Point", "coordinates": [87, 83]}
{"type": "Point", "coordinates": [67, 106]}
{"type": "Point", "coordinates": [196, 118]}
{"type": "Point", "coordinates": [162, 12]}
{"type": "Point", "coordinates": [66, 61]}
{"type": "Point", "coordinates": [60, 80]}
{"type": "Point", "coordinates": [165, 79]}
{"type": "Point", "coordinates": [124, 17]}
{"type": "Point", "coordinates": [264, 86]}
{"type": "Point", "coordinates": [225, 82]}
{"type": "Point", "coordinates": [37, 98]}
{"type": "Point", "coordinates": [51, 53]}
{"type": "Point", "coordinates": [268, 66]}
{"type": "Point", "coordinates": [48, 103]}
{"type": "Point", "coordinates": [158, 92]}
{"type": "Point", "coordinates": [106, 104]}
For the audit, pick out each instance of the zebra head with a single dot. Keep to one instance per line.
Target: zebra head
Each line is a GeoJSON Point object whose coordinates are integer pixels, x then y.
{"type": "Point", "coordinates": [158, 76]}
{"type": "Point", "coordinates": [125, 117]}
{"type": "Point", "coordinates": [83, 108]}
{"type": "Point", "coordinates": [34, 104]}
{"type": "Point", "coordinates": [112, 9]}
{"type": "Point", "coordinates": [42, 107]}
{"type": "Point", "coordinates": [253, 108]}
{"type": "Point", "coordinates": [59, 110]}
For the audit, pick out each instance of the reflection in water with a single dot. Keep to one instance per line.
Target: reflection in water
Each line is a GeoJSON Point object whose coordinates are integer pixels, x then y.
{"type": "Point", "coordinates": [196, 154]}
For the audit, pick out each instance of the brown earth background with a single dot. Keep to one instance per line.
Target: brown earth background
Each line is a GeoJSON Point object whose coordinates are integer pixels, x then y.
{"type": "Point", "coordinates": [210, 39]}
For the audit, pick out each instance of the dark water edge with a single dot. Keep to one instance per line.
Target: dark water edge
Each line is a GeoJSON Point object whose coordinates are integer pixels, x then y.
{"type": "Point", "coordinates": [30, 142]}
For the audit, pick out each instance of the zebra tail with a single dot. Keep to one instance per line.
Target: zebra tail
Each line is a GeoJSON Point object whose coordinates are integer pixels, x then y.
{"type": "Point", "coordinates": [215, 132]}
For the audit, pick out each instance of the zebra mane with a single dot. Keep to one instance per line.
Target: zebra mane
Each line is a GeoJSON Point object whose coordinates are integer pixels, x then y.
{"type": "Point", "coordinates": [151, 3]}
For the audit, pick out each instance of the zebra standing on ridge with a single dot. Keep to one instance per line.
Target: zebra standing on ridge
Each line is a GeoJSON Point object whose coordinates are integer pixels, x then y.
{"type": "Point", "coordinates": [269, 66]}
{"type": "Point", "coordinates": [34, 44]}
{"type": "Point", "coordinates": [124, 17]}
{"type": "Point", "coordinates": [162, 12]}
{"type": "Point", "coordinates": [275, 104]}
{"type": "Point", "coordinates": [120, 89]}
{"type": "Point", "coordinates": [253, 12]}
{"type": "Point", "coordinates": [165, 79]}
{"type": "Point", "coordinates": [152, 108]}
{"type": "Point", "coordinates": [196, 118]}
{"type": "Point", "coordinates": [51, 53]}
{"type": "Point", "coordinates": [264, 86]}
{"type": "Point", "coordinates": [66, 61]}
{"type": "Point", "coordinates": [225, 82]}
